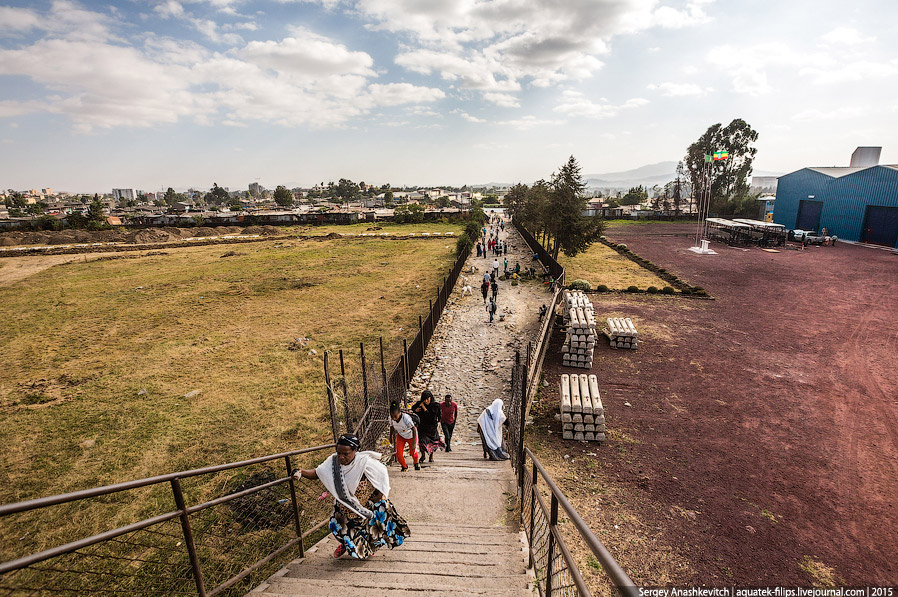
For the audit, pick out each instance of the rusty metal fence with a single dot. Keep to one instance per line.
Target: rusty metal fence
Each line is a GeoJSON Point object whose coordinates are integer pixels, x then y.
{"type": "Point", "coordinates": [360, 391]}
{"type": "Point", "coordinates": [209, 531]}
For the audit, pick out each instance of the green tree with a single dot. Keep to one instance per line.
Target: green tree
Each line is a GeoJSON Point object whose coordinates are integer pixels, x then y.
{"type": "Point", "coordinates": [515, 200]}
{"type": "Point", "coordinates": [346, 190]}
{"type": "Point", "coordinates": [725, 179]}
{"type": "Point", "coordinates": [282, 196]}
{"type": "Point", "coordinates": [635, 196]}
{"type": "Point", "coordinates": [217, 195]}
{"type": "Point", "coordinates": [388, 198]}
{"type": "Point", "coordinates": [442, 201]}
{"type": "Point", "coordinates": [570, 231]}
{"type": "Point", "coordinates": [96, 213]}
{"type": "Point", "coordinates": [15, 199]}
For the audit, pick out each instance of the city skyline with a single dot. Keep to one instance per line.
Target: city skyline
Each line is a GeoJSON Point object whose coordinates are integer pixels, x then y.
{"type": "Point", "coordinates": [152, 94]}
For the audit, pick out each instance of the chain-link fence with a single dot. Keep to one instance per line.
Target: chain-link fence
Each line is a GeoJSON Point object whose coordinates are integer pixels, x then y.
{"type": "Point", "coordinates": [212, 531]}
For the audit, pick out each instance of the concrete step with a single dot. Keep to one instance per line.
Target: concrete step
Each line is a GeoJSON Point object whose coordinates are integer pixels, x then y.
{"type": "Point", "coordinates": [373, 584]}
{"type": "Point", "coordinates": [296, 590]}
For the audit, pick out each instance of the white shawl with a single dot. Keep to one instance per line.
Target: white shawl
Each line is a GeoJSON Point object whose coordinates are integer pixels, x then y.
{"type": "Point", "coordinates": [364, 463]}
{"type": "Point", "coordinates": [490, 421]}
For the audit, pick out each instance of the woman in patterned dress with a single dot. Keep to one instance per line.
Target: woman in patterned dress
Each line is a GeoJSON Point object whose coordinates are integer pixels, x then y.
{"type": "Point", "coordinates": [355, 478]}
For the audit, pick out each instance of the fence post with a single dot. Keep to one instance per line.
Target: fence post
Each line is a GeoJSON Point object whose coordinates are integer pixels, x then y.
{"type": "Point", "coordinates": [383, 369]}
{"type": "Point", "coordinates": [523, 388]}
{"type": "Point", "coordinates": [349, 428]}
{"type": "Point", "coordinates": [532, 512]}
{"type": "Point", "coordinates": [188, 538]}
{"type": "Point", "coordinates": [364, 373]}
{"type": "Point", "coordinates": [331, 401]}
{"type": "Point", "coordinates": [431, 321]}
{"type": "Point", "coordinates": [302, 550]}
{"type": "Point", "coordinates": [553, 522]}
{"type": "Point", "coordinates": [405, 378]}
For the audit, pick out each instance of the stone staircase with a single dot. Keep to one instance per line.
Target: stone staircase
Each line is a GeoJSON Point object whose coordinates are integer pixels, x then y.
{"type": "Point", "coordinates": [465, 538]}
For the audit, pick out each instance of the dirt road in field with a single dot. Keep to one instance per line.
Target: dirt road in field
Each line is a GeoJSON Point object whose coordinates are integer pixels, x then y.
{"type": "Point", "coordinates": [13, 269]}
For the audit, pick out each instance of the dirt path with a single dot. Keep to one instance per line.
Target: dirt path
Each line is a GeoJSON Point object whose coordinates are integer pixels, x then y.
{"type": "Point", "coordinates": [464, 540]}
{"type": "Point", "coordinates": [470, 358]}
{"type": "Point", "coordinates": [13, 269]}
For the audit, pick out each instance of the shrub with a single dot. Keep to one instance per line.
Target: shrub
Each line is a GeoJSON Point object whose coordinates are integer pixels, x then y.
{"type": "Point", "coordinates": [514, 282]}
{"type": "Point", "coordinates": [601, 288]}
{"type": "Point", "coordinates": [633, 289]}
{"type": "Point", "coordinates": [687, 290]}
{"type": "Point", "coordinates": [622, 247]}
{"type": "Point", "coordinates": [661, 270]}
{"type": "Point", "coordinates": [667, 290]}
{"type": "Point", "coordinates": [580, 285]}
{"type": "Point", "coordinates": [652, 290]}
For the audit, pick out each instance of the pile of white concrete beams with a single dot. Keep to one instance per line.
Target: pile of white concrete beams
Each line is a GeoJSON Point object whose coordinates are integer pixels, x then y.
{"type": "Point", "coordinates": [580, 334]}
{"type": "Point", "coordinates": [622, 333]}
{"type": "Point", "coordinates": [582, 415]}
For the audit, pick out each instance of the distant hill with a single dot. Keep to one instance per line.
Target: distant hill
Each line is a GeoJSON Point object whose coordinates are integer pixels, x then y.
{"type": "Point", "coordinates": [648, 175]}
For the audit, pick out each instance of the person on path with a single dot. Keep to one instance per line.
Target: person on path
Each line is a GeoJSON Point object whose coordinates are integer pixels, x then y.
{"type": "Point", "coordinates": [506, 266]}
{"type": "Point", "coordinates": [406, 435]}
{"type": "Point", "coordinates": [496, 267]}
{"type": "Point", "coordinates": [363, 519]}
{"type": "Point", "coordinates": [448, 414]}
{"type": "Point", "coordinates": [491, 308]}
{"type": "Point", "coordinates": [486, 277]}
{"type": "Point", "coordinates": [495, 288]}
{"type": "Point", "coordinates": [484, 290]}
{"type": "Point", "coordinates": [479, 249]}
{"type": "Point", "coordinates": [505, 248]}
{"type": "Point", "coordinates": [428, 434]}
{"type": "Point", "coordinates": [489, 426]}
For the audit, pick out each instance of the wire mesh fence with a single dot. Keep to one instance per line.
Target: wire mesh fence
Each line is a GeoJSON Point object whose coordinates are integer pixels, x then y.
{"type": "Point", "coordinates": [361, 388]}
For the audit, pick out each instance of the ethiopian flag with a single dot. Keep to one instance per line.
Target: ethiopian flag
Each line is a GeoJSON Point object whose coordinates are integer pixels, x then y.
{"type": "Point", "coordinates": [721, 155]}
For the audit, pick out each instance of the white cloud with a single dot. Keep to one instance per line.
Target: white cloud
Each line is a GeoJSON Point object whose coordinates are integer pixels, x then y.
{"type": "Point", "coordinates": [845, 113]}
{"type": "Point", "coordinates": [505, 100]}
{"type": "Point", "coordinates": [312, 81]}
{"type": "Point", "coordinates": [848, 36]}
{"type": "Point", "coordinates": [528, 122]}
{"type": "Point", "coordinates": [671, 89]}
{"type": "Point", "coordinates": [500, 45]}
{"type": "Point", "coordinates": [17, 20]}
{"type": "Point", "coordinates": [861, 70]}
{"type": "Point", "coordinates": [470, 118]}
{"type": "Point", "coordinates": [576, 104]}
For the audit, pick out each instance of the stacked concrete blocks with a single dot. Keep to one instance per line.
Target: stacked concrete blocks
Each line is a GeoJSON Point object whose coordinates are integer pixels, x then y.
{"type": "Point", "coordinates": [582, 414]}
{"type": "Point", "coordinates": [622, 333]}
{"type": "Point", "coordinates": [580, 335]}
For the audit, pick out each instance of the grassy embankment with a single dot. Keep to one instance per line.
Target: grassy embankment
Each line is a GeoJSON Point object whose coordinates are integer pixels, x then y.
{"type": "Point", "coordinates": [601, 264]}
{"type": "Point", "coordinates": [98, 356]}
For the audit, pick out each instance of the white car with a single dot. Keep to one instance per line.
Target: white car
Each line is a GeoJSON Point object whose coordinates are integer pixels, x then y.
{"type": "Point", "coordinates": [798, 234]}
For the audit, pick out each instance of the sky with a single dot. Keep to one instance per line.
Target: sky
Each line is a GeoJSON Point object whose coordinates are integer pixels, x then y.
{"type": "Point", "coordinates": [149, 94]}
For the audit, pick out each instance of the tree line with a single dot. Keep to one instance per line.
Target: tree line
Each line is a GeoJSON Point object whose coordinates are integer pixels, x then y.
{"type": "Point", "coordinates": [553, 211]}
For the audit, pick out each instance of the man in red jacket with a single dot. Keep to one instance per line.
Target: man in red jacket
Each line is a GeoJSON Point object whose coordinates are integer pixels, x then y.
{"type": "Point", "coordinates": [448, 414]}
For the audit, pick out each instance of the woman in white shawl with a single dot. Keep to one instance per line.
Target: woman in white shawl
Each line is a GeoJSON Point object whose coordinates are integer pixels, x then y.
{"type": "Point", "coordinates": [363, 519]}
{"type": "Point", "coordinates": [489, 425]}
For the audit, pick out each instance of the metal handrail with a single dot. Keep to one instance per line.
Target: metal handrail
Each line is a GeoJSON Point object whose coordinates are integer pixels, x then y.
{"type": "Point", "coordinates": [620, 579]}
{"type": "Point", "coordinates": [63, 498]}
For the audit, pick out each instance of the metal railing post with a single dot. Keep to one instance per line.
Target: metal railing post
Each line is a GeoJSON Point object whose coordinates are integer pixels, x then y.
{"type": "Point", "coordinates": [553, 522]}
{"type": "Point", "coordinates": [522, 405]}
{"type": "Point", "coordinates": [296, 518]}
{"type": "Point", "coordinates": [331, 401]}
{"type": "Point", "coordinates": [383, 369]}
{"type": "Point", "coordinates": [532, 513]}
{"type": "Point", "coordinates": [364, 373]}
{"type": "Point", "coordinates": [349, 428]}
{"type": "Point", "coordinates": [188, 538]}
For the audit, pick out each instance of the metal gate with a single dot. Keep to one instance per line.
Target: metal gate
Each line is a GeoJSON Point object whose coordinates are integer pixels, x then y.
{"type": "Point", "coordinates": [880, 226]}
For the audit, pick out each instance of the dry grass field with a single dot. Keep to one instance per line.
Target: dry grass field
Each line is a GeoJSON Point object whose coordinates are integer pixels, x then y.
{"type": "Point", "coordinates": [99, 356]}
{"type": "Point", "coordinates": [601, 264]}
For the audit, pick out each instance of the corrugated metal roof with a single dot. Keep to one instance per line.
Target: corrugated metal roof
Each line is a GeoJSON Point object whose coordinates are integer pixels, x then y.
{"type": "Point", "coordinates": [837, 172]}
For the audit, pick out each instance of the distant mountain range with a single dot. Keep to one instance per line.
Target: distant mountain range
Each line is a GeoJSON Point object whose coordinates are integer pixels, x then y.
{"type": "Point", "coordinates": [648, 175]}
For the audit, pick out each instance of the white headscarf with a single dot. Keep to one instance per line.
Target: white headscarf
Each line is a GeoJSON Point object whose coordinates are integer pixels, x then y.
{"type": "Point", "coordinates": [364, 463]}
{"type": "Point", "coordinates": [490, 421]}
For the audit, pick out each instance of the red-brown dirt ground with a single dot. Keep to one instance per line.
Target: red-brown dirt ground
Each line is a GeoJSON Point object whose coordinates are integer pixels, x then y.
{"type": "Point", "coordinates": [771, 411]}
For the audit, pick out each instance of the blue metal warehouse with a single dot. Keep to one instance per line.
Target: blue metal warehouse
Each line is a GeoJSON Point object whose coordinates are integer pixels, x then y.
{"type": "Point", "coordinates": [859, 204]}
